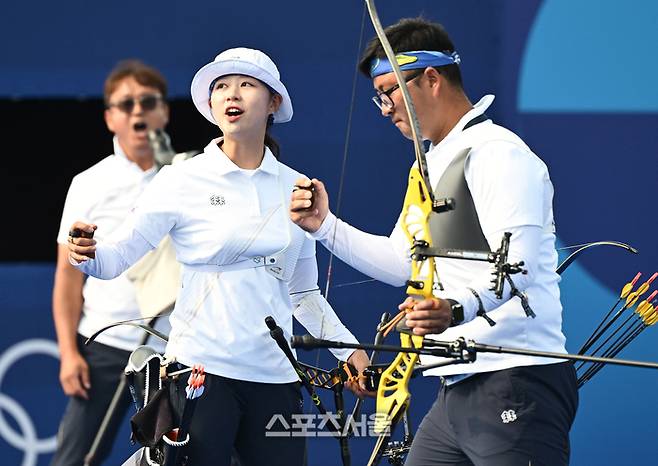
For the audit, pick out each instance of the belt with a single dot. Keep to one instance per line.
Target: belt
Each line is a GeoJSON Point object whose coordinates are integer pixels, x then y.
{"type": "Point", "coordinates": [254, 262]}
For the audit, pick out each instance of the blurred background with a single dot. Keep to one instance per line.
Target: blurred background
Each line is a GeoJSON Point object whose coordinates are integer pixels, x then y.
{"type": "Point", "coordinates": [576, 80]}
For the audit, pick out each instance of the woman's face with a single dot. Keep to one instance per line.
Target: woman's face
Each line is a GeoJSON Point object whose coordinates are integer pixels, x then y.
{"type": "Point", "coordinates": [241, 105]}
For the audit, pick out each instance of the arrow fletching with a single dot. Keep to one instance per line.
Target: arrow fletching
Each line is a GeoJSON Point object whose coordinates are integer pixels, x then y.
{"type": "Point", "coordinates": [632, 297]}
{"type": "Point", "coordinates": [628, 287]}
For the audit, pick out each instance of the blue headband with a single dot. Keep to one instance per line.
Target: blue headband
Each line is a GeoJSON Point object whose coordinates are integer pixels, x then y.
{"type": "Point", "coordinates": [413, 61]}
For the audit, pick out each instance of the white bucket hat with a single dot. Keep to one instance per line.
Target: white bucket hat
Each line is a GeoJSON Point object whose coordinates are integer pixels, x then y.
{"type": "Point", "coordinates": [244, 61]}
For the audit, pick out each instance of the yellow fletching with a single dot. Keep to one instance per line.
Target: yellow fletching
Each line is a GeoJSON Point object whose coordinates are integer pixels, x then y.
{"type": "Point", "coordinates": [632, 298]}
{"type": "Point", "coordinates": [652, 318]}
{"type": "Point", "coordinates": [628, 287]}
{"type": "Point", "coordinates": [643, 308]}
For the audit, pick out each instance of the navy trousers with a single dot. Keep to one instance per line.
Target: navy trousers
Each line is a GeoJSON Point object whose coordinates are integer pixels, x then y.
{"type": "Point", "coordinates": [82, 418]}
{"type": "Point", "coordinates": [513, 417]}
{"type": "Point", "coordinates": [231, 419]}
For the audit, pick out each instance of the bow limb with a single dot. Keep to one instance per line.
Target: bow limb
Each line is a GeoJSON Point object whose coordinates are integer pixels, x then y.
{"type": "Point", "coordinates": [408, 103]}
{"type": "Point", "coordinates": [133, 323]}
{"type": "Point", "coordinates": [419, 200]}
{"type": "Point", "coordinates": [583, 247]}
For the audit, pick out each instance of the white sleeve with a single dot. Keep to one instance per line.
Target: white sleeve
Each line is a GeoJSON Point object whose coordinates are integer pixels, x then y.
{"type": "Point", "coordinates": [313, 311]}
{"type": "Point", "coordinates": [508, 185]}
{"type": "Point", "coordinates": [113, 258]}
{"type": "Point", "coordinates": [156, 213]}
{"type": "Point", "coordinates": [308, 249]}
{"type": "Point", "coordinates": [153, 217]}
{"type": "Point", "coordinates": [77, 206]}
{"type": "Point", "coordinates": [384, 258]}
{"type": "Point", "coordinates": [524, 244]}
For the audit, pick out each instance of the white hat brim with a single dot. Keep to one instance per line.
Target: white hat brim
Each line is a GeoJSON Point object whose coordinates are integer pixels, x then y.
{"type": "Point", "coordinates": [200, 87]}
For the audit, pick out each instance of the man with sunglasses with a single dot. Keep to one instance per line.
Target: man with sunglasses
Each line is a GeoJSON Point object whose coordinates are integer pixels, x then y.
{"type": "Point", "coordinates": [502, 409]}
{"type": "Point", "coordinates": [135, 103]}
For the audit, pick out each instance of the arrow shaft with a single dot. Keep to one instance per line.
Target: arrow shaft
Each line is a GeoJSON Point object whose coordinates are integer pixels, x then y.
{"type": "Point", "coordinates": [592, 371]}
{"type": "Point", "coordinates": [588, 343]}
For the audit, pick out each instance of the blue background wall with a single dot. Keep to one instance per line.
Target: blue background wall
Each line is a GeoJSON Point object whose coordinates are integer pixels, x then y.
{"type": "Point", "coordinates": [575, 79]}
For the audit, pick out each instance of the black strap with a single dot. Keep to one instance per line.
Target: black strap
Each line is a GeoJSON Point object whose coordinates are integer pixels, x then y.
{"type": "Point", "coordinates": [476, 120]}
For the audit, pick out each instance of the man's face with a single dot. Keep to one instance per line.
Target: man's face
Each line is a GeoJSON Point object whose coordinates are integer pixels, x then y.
{"type": "Point", "coordinates": [397, 112]}
{"type": "Point", "coordinates": [134, 110]}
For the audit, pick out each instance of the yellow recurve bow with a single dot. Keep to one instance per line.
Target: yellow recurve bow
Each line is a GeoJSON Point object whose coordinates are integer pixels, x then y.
{"type": "Point", "coordinates": [419, 203]}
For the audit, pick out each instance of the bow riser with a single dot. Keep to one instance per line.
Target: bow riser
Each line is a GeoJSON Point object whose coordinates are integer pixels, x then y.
{"type": "Point", "coordinates": [416, 213]}
{"type": "Point", "coordinates": [393, 390]}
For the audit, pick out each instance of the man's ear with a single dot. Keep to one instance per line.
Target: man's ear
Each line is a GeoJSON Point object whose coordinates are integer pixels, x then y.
{"type": "Point", "coordinates": [108, 120]}
{"type": "Point", "coordinates": [435, 80]}
{"type": "Point", "coordinates": [432, 76]}
{"type": "Point", "coordinates": [166, 112]}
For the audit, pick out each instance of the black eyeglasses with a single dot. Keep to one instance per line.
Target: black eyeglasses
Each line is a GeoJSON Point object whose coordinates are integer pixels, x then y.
{"type": "Point", "coordinates": [383, 98]}
{"type": "Point", "coordinates": [147, 102]}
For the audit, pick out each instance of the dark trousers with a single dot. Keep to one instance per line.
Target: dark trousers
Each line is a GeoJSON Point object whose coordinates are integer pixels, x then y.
{"type": "Point", "coordinates": [82, 418]}
{"type": "Point", "coordinates": [232, 417]}
{"type": "Point", "coordinates": [513, 417]}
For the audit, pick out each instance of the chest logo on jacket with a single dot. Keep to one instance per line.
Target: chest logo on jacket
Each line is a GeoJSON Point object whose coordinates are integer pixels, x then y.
{"type": "Point", "coordinates": [216, 199]}
{"type": "Point", "coordinates": [508, 416]}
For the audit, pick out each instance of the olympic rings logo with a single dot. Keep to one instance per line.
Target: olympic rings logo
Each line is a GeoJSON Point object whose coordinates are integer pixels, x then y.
{"type": "Point", "coordinates": [25, 440]}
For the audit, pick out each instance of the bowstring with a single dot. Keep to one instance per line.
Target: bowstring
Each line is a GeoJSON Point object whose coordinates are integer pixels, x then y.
{"type": "Point", "coordinates": [343, 170]}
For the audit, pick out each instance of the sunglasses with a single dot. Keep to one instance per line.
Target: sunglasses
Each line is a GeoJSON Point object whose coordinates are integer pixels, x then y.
{"type": "Point", "coordinates": [147, 102]}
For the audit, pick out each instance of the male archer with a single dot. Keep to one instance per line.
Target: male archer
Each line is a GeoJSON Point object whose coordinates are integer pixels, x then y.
{"type": "Point", "coordinates": [503, 409]}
